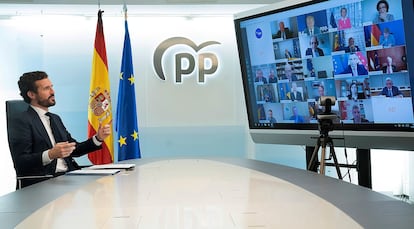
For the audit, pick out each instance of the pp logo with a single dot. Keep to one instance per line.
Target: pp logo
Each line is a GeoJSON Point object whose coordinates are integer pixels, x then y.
{"type": "Point", "coordinates": [207, 61]}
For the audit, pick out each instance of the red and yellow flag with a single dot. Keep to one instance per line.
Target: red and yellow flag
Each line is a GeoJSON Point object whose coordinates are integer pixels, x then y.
{"type": "Point", "coordinates": [100, 104]}
{"type": "Point", "coordinates": [375, 35]}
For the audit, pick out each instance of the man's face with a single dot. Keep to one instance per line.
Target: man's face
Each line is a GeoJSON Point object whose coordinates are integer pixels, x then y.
{"type": "Point", "coordinates": [259, 74]}
{"type": "Point", "coordinates": [321, 91]}
{"type": "Point", "coordinates": [314, 42]}
{"type": "Point", "coordinates": [388, 83]}
{"type": "Point", "coordinates": [356, 114]}
{"type": "Point", "coordinates": [310, 22]}
{"type": "Point", "coordinates": [45, 95]}
{"type": "Point", "coordinates": [270, 113]}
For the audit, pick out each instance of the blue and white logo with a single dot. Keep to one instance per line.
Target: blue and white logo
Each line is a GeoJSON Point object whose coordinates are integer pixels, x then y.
{"type": "Point", "coordinates": [259, 33]}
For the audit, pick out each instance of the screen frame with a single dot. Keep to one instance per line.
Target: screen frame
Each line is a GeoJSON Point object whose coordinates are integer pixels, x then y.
{"type": "Point", "coordinates": [382, 136]}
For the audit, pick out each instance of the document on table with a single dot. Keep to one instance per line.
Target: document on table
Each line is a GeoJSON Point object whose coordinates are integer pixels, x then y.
{"type": "Point", "coordinates": [111, 166]}
{"type": "Point", "coordinates": [94, 172]}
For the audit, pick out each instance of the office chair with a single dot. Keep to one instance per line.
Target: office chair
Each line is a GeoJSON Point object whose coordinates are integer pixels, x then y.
{"type": "Point", "coordinates": [13, 109]}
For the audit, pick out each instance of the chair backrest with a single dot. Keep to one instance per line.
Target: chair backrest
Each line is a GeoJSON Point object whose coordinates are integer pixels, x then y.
{"type": "Point", "coordinates": [13, 109]}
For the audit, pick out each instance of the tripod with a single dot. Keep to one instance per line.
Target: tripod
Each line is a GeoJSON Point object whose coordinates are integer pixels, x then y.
{"type": "Point", "coordinates": [324, 140]}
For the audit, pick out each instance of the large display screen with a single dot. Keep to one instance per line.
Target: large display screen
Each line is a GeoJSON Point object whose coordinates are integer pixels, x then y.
{"type": "Point", "coordinates": [355, 50]}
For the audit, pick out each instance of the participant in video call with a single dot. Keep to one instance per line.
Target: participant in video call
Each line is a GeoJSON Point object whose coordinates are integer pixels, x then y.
{"type": "Point", "coordinates": [351, 46]}
{"type": "Point", "coordinates": [344, 22]}
{"type": "Point", "coordinates": [283, 32]}
{"type": "Point", "coordinates": [270, 117]}
{"type": "Point", "coordinates": [311, 29]}
{"type": "Point", "coordinates": [260, 77]}
{"type": "Point", "coordinates": [295, 116]}
{"type": "Point", "coordinates": [314, 50]}
{"type": "Point", "coordinates": [295, 95]}
{"type": "Point", "coordinates": [353, 92]}
{"type": "Point", "coordinates": [389, 67]}
{"type": "Point", "coordinates": [383, 15]}
{"type": "Point", "coordinates": [354, 66]}
{"type": "Point", "coordinates": [356, 115]}
{"type": "Point", "coordinates": [288, 55]}
{"type": "Point", "coordinates": [272, 76]}
{"type": "Point", "coordinates": [390, 90]}
{"type": "Point", "coordinates": [387, 39]}
{"type": "Point", "coordinates": [289, 74]}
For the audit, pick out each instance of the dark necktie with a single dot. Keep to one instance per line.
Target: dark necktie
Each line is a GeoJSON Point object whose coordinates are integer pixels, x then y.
{"type": "Point", "coordinates": [55, 129]}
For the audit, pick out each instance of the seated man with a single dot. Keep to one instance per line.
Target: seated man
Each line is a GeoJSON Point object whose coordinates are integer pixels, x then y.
{"type": "Point", "coordinates": [356, 115]}
{"type": "Point", "coordinates": [43, 146]}
{"type": "Point", "coordinates": [390, 90]}
{"type": "Point", "coordinates": [389, 67]}
{"type": "Point", "coordinates": [283, 32]}
{"type": "Point", "coordinates": [295, 95]}
{"type": "Point", "coordinates": [314, 50]}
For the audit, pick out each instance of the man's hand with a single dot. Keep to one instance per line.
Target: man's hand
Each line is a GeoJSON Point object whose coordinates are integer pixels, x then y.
{"type": "Point", "coordinates": [62, 150]}
{"type": "Point", "coordinates": [103, 132]}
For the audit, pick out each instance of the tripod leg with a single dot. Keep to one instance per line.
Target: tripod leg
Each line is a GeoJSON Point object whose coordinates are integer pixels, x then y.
{"type": "Point", "coordinates": [338, 171]}
{"type": "Point", "coordinates": [312, 162]}
{"type": "Point", "coordinates": [322, 169]}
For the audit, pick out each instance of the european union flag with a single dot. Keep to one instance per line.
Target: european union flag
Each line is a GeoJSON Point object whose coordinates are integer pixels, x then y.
{"type": "Point", "coordinates": [126, 115]}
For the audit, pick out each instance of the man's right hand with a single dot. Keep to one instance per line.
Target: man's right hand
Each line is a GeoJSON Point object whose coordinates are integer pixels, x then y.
{"type": "Point", "coordinates": [62, 150]}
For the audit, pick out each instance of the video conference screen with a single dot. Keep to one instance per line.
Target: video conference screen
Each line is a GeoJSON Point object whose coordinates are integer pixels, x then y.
{"type": "Point", "coordinates": [354, 50]}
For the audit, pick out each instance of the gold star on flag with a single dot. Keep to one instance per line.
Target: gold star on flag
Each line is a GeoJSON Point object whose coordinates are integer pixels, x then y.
{"type": "Point", "coordinates": [121, 76]}
{"type": "Point", "coordinates": [135, 135]}
{"type": "Point", "coordinates": [122, 141]}
{"type": "Point", "coordinates": [132, 79]}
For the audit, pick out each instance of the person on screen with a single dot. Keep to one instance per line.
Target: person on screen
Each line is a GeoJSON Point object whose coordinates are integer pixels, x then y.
{"type": "Point", "coordinates": [43, 145]}
{"type": "Point", "coordinates": [383, 15]}
{"type": "Point", "coordinates": [289, 74]}
{"type": "Point", "coordinates": [311, 29]}
{"type": "Point", "coordinates": [344, 22]}
{"type": "Point", "coordinates": [314, 50]}
{"type": "Point", "coordinates": [270, 117]}
{"type": "Point", "coordinates": [288, 55]}
{"type": "Point", "coordinates": [389, 67]}
{"type": "Point", "coordinates": [353, 92]}
{"type": "Point", "coordinates": [321, 92]}
{"type": "Point", "coordinates": [387, 39]}
{"type": "Point", "coordinates": [351, 46]}
{"type": "Point", "coordinates": [390, 90]}
{"type": "Point", "coordinates": [260, 77]}
{"type": "Point", "coordinates": [295, 95]}
{"type": "Point", "coordinates": [356, 115]}
{"type": "Point", "coordinates": [272, 77]}
{"type": "Point", "coordinates": [295, 116]}
{"type": "Point", "coordinates": [283, 32]}
{"type": "Point", "coordinates": [354, 66]}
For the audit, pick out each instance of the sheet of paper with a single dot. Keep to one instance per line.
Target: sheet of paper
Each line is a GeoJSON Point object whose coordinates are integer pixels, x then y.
{"type": "Point", "coordinates": [94, 172]}
{"type": "Point", "coordinates": [112, 166]}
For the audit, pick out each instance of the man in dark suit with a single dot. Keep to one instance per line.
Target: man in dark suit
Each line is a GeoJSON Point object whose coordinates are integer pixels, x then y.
{"type": "Point", "coordinates": [42, 145]}
{"type": "Point", "coordinates": [314, 50]}
{"type": "Point", "coordinates": [390, 90]}
{"type": "Point", "coordinates": [389, 67]}
{"type": "Point", "coordinates": [283, 32]}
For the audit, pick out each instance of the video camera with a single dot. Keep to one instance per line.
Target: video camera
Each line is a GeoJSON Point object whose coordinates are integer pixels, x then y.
{"type": "Point", "coordinates": [326, 118]}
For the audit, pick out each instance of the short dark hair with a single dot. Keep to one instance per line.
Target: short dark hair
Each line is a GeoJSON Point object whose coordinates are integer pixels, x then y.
{"type": "Point", "coordinates": [383, 1]}
{"type": "Point", "coordinates": [27, 83]}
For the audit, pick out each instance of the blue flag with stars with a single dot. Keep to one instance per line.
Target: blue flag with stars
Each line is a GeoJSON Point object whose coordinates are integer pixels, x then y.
{"type": "Point", "coordinates": [126, 115]}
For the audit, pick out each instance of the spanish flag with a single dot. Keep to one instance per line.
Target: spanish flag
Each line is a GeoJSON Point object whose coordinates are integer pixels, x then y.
{"type": "Point", "coordinates": [100, 104]}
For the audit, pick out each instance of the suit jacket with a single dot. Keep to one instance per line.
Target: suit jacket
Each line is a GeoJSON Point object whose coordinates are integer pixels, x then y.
{"type": "Point", "coordinates": [360, 69]}
{"type": "Point", "coordinates": [316, 30]}
{"type": "Point", "coordinates": [30, 139]}
{"type": "Point", "coordinates": [394, 89]}
{"type": "Point", "coordinates": [318, 50]}
{"type": "Point", "coordinates": [288, 34]}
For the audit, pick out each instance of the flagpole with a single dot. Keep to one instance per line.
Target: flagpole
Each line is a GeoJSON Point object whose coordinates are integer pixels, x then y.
{"type": "Point", "coordinates": [125, 10]}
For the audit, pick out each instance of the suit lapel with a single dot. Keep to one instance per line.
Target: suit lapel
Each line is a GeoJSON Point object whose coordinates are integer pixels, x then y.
{"type": "Point", "coordinates": [38, 126]}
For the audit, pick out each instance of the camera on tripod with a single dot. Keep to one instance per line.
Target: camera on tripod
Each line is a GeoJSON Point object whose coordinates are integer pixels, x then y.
{"type": "Point", "coordinates": [325, 119]}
